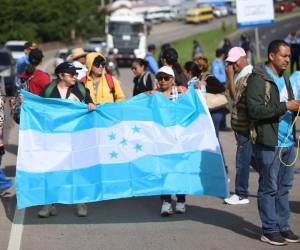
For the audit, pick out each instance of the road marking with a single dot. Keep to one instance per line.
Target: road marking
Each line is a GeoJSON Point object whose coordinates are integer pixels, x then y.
{"type": "Point", "coordinates": [16, 231]}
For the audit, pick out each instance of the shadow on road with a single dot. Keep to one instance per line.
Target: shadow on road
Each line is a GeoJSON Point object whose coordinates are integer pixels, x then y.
{"type": "Point", "coordinates": [295, 207]}
{"type": "Point", "coordinates": [143, 210]}
{"type": "Point", "coordinates": [12, 148]}
{"type": "Point", "coordinates": [9, 204]}
{"type": "Point", "coordinates": [10, 171]}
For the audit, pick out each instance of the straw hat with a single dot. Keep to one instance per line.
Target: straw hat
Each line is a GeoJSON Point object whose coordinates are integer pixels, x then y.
{"type": "Point", "coordinates": [76, 53]}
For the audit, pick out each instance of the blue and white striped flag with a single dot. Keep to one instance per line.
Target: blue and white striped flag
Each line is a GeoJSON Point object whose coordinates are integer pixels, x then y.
{"type": "Point", "coordinates": [147, 145]}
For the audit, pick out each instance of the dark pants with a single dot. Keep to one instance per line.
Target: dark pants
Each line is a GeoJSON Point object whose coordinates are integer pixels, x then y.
{"type": "Point", "coordinates": [243, 160]}
{"type": "Point", "coordinates": [167, 198]}
{"type": "Point", "coordinates": [4, 182]}
{"type": "Point", "coordinates": [275, 181]}
{"type": "Point", "coordinates": [217, 116]}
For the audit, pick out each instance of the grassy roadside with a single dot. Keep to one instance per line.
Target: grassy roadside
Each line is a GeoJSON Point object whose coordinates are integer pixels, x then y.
{"type": "Point", "coordinates": [209, 42]}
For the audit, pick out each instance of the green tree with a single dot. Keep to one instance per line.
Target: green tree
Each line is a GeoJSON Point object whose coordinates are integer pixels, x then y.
{"type": "Point", "coordinates": [43, 20]}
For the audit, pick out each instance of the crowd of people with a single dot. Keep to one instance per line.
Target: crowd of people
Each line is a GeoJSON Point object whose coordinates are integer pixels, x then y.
{"type": "Point", "coordinates": [263, 106]}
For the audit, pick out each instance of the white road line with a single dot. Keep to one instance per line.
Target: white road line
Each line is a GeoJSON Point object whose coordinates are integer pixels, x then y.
{"type": "Point", "coordinates": [16, 231]}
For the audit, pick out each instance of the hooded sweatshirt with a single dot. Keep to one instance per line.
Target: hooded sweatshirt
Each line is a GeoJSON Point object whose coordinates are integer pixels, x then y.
{"type": "Point", "coordinates": [103, 93]}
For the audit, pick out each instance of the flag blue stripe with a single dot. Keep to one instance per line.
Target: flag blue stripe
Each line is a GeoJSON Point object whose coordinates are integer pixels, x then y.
{"type": "Point", "coordinates": [40, 114]}
{"type": "Point", "coordinates": [194, 173]}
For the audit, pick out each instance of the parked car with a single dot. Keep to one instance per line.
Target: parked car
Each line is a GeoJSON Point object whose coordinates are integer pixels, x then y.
{"type": "Point", "coordinates": [7, 70]}
{"type": "Point", "coordinates": [220, 11]}
{"type": "Point", "coordinates": [61, 56]}
{"type": "Point", "coordinates": [16, 48]}
{"type": "Point", "coordinates": [97, 44]}
{"type": "Point", "coordinates": [284, 7]}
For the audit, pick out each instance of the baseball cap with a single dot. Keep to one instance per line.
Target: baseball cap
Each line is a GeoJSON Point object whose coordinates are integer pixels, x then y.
{"type": "Point", "coordinates": [167, 70]}
{"type": "Point", "coordinates": [235, 54]}
{"type": "Point", "coordinates": [66, 67]}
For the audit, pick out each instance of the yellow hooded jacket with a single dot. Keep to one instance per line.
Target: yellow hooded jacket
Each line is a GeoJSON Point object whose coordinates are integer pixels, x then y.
{"type": "Point", "coordinates": [103, 94]}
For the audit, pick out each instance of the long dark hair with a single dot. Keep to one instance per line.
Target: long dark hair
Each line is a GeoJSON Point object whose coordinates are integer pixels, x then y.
{"type": "Point", "coordinates": [171, 57]}
{"type": "Point", "coordinates": [141, 62]}
{"type": "Point", "coordinates": [193, 68]}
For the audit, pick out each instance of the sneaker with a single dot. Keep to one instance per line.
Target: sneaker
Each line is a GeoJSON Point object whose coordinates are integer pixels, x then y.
{"type": "Point", "coordinates": [236, 200]}
{"type": "Point", "coordinates": [82, 210]}
{"type": "Point", "coordinates": [274, 239]}
{"type": "Point", "coordinates": [180, 208]}
{"type": "Point", "coordinates": [46, 211]}
{"type": "Point", "coordinates": [166, 209]}
{"type": "Point", "coordinates": [289, 236]}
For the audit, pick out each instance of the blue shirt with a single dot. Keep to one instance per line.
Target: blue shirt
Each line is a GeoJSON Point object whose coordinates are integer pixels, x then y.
{"type": "Point", "coordinates": [295, 82]}
{"type": "Point", "coordinates": [286, 120]}
{"type": "Point", "coordinates": [153, 67]}
{"type": "Point", "coordinates": [218, 70]}
{"type": "Point", "coordinates": [21, 66]}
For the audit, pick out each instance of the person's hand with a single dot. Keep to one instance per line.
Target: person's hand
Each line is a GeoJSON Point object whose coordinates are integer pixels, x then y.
{"type": "Point", "coordinates": [21, 98]}
{"type": "Point", "coordinates": [293, 105]}
{"type": "Point", "coordinates": [91, 106]}
{"type": "Point", "coordinates": [197, 85]}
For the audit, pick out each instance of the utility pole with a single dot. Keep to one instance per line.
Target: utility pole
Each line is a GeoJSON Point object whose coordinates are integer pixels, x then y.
{"type": "Point", "coordinates": [257, 45]}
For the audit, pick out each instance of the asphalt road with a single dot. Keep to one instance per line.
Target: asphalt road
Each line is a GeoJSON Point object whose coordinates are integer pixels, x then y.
{"type": "Point", "coordinates": [135, 223]}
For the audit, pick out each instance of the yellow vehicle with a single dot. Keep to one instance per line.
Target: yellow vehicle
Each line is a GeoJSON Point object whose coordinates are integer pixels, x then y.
{"type": "Point", "coordinates": [198, 15]}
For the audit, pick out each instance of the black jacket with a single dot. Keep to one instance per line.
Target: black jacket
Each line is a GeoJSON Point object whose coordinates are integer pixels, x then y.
{"type": "Point", "coordinates": [72, 90]}
{"type": "Point", "coordinates": [265, 115]}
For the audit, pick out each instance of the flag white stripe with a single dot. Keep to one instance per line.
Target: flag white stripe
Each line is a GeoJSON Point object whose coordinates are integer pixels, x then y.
{"type": "Point", "coordinates": [40, 152]}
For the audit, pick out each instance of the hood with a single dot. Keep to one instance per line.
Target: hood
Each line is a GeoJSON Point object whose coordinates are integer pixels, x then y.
{"type": "Point", "coordinates": [90, 59]}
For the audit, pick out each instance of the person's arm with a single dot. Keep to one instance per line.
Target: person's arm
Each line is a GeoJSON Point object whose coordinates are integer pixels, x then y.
{"type": "Point", "coordinates": [255, 96]}
{"type": "Point", "coordinates": [230, 77]}
{"type": "Point", "coordinates": [118, 95]}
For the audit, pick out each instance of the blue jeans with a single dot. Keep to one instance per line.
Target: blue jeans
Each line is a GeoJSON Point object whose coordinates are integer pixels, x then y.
{"type": "Point", "coordinates": [217, 117]}
{"type": "Point", "coordinates": [4, 182]}
{"type": "Point", "coordinates": [243, 160]}
{"type": "Point", "coordinates": [275, 181]}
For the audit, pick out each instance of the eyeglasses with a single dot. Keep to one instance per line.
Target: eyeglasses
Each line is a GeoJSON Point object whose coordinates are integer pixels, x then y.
{"type": "Point", "coordinates": [99, 64]}
{"type": "Point", "coordinates": [71, 75]}
{"type": "Point", "coordinates": [166, 78]}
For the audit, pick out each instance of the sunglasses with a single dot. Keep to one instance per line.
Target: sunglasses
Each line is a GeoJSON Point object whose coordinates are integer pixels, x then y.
{"type": "Point", "coordinates": [99, 64]}
{"type": "Point", "coordinates": [166, 78]}
{"type": "Point", "coordinates": [71, 75]}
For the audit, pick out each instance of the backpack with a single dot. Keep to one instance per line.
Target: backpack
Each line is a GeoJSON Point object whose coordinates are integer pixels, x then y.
{"type": "Point", "coordinates": [110, 82]}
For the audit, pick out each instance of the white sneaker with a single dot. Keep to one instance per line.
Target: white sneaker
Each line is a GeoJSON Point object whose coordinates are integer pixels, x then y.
{"type": "Point", "coordinates": [166, 209]}
{"type": "Point", "coordinates": [82, 210]}
{"type": "Point", "coordinates": [236, 200]}
{"type": "Point", "coordinates": [180, 208]}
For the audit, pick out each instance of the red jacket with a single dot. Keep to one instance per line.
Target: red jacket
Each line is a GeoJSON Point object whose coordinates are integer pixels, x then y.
{"type": "Point", "coordinates": [39, 79]}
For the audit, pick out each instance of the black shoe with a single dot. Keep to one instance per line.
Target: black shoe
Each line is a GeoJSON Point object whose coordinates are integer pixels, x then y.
{"type": "Point", "coordinates": [289, 236]}
{"type": "Point", "coordinates": [274, 239]}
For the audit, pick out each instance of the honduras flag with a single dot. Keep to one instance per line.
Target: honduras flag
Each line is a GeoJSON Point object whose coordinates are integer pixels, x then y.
{"type": "Point", "coordinates": [147, 145]}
